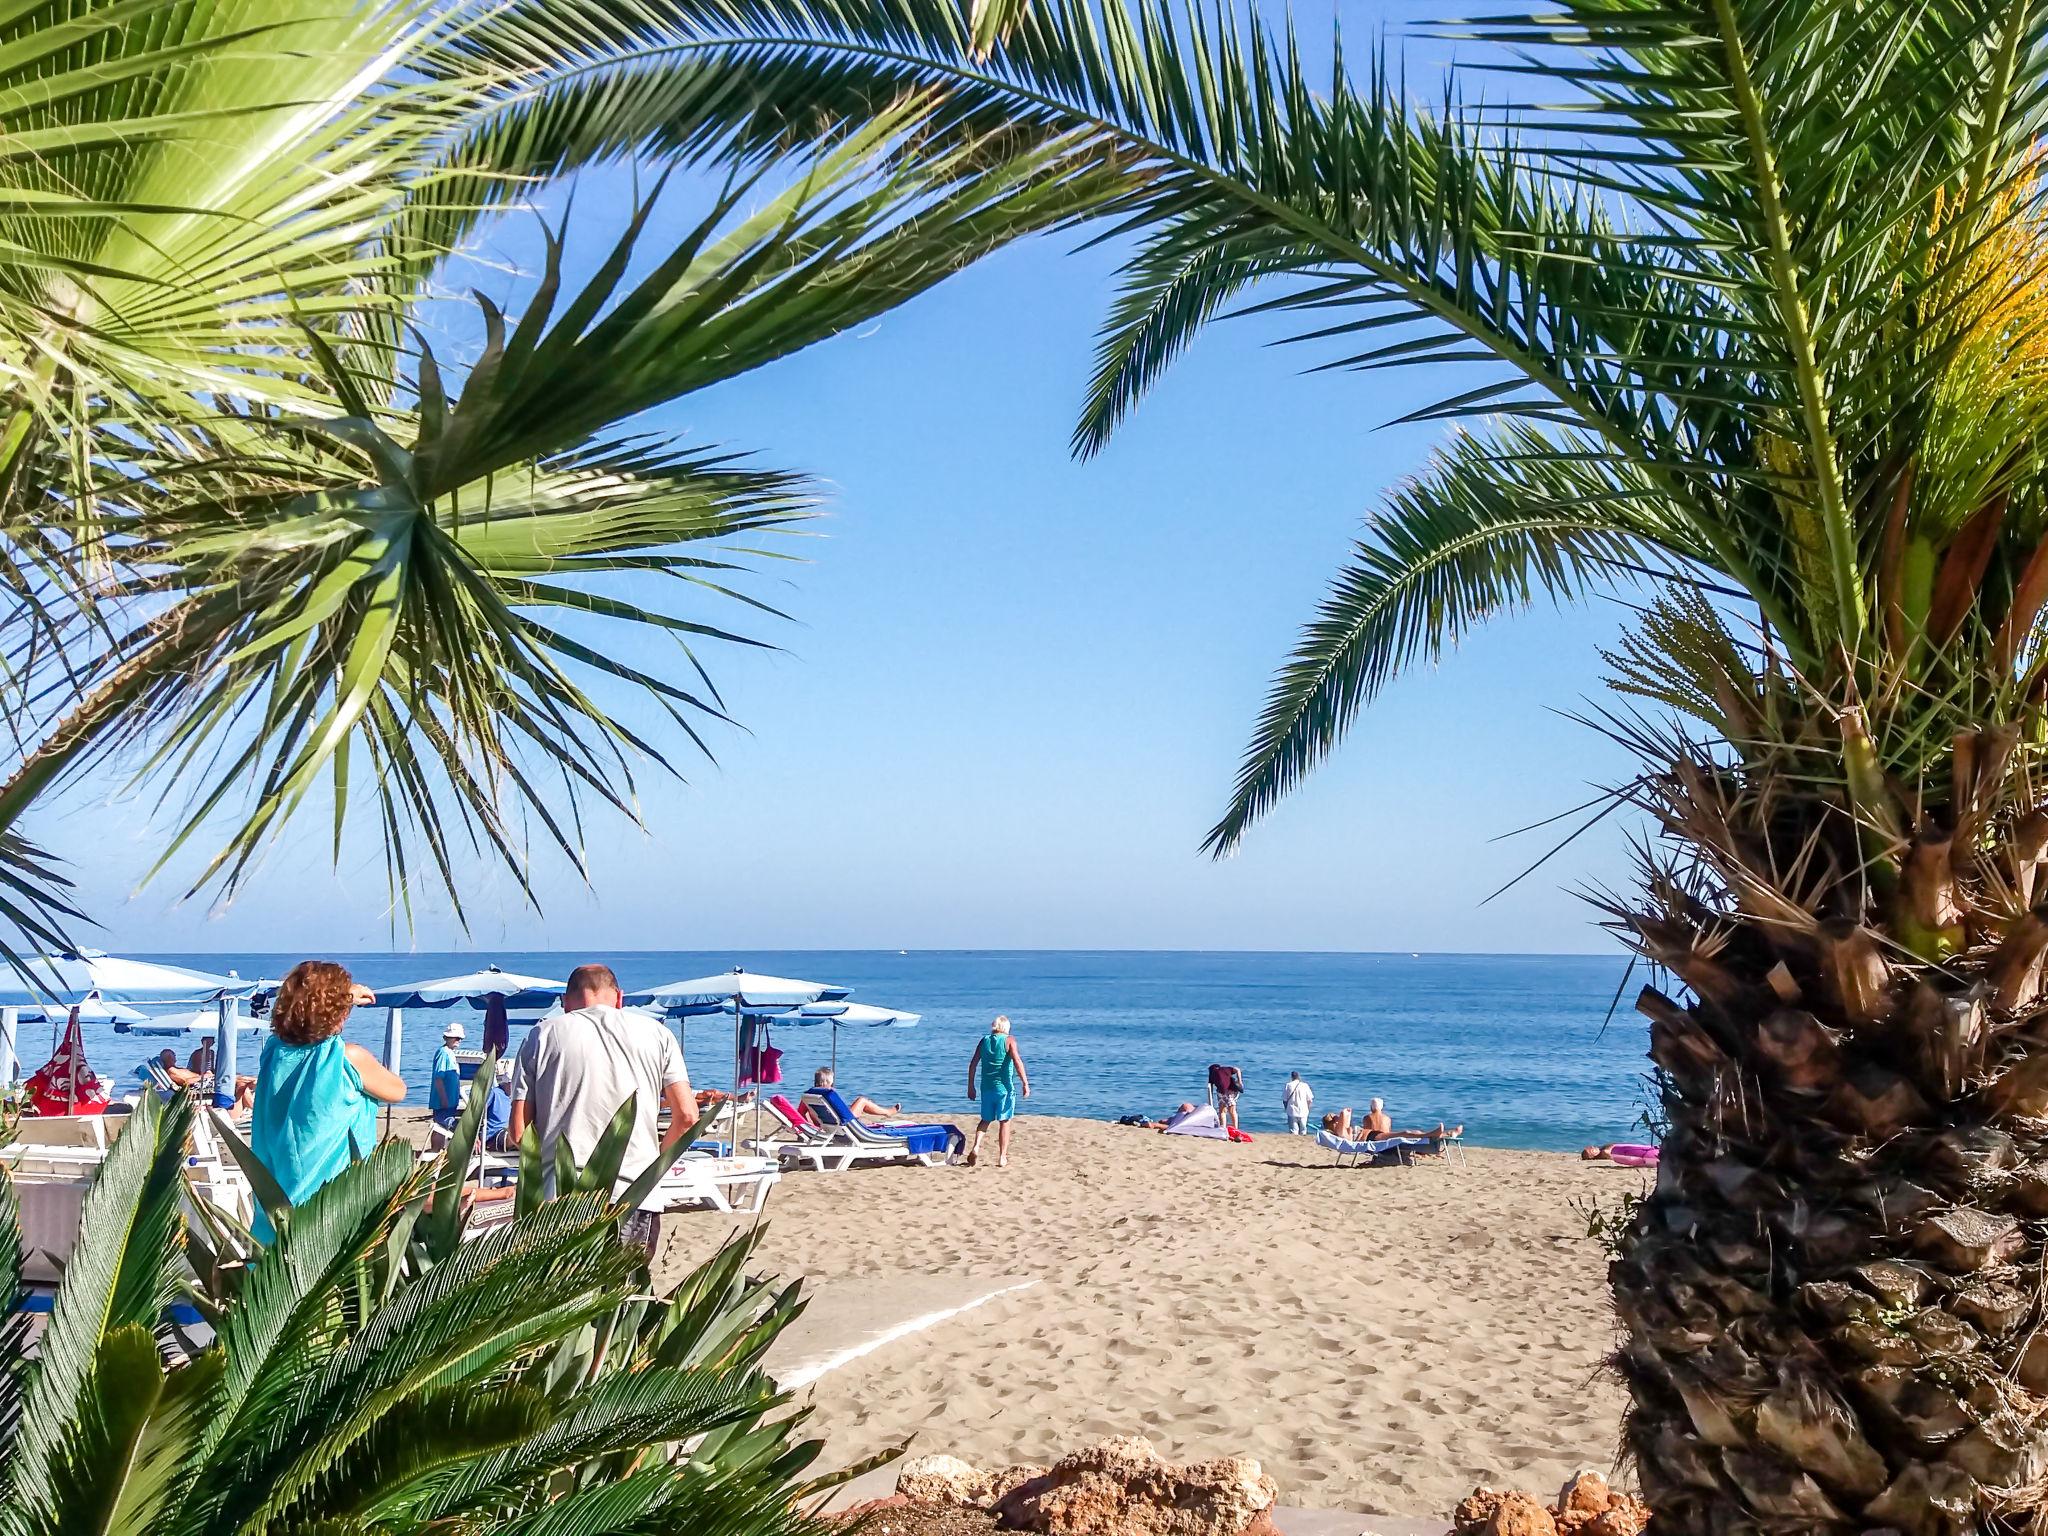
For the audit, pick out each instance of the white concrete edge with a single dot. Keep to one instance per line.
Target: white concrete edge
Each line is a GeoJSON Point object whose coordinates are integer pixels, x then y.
{"type": "Point", "coordinates": [804, 1374]}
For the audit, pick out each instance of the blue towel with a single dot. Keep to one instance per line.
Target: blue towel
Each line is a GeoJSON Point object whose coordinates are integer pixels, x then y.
{"type": "Point", "coordinates": [311, 1119]}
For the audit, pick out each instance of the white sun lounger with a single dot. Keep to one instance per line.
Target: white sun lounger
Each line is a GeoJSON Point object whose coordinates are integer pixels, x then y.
{"type": "Point", "coordinates": [54, 1159]}
{"type": "Point", "coordinates": [728, 1185]}
{"type": "Point", "coordinates": [1364, 1150]}
{"type": "Point", "coordinates": [833, 1149]}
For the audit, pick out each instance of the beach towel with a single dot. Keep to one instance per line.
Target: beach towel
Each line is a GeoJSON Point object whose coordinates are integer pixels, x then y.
{"type": "Point", "coordinates": [66, 1085]}
{"type": "Point", "coordinates": [1199, 1121]}
{"type": "Point", "coordinates": [311, 1119]}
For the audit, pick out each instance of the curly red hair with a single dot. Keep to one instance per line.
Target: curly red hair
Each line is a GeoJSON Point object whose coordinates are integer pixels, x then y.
{"type": "Point", "coordinates": [313, 1001]}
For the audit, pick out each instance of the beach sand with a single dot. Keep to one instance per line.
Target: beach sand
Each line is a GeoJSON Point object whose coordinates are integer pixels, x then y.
{"type": "Point", "coordinates": [1382, 1340]}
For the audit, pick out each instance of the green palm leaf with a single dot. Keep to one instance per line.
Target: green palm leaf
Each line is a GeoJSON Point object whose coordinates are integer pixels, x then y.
{"type": "Point", "coordinates": [1490, 527]}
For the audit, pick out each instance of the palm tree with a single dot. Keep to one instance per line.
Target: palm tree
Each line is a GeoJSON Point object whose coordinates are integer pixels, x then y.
{"type": "Point", "coordinates": [261, 545]}
{"type": "Point", "coordinates": [1754, 321]}
{"type": "Point", "coordinates": [376, 1369]}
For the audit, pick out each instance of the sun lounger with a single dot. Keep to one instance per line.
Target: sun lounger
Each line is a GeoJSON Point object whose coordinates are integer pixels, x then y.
{"type": "Point", "coordinates": [836, 1147]}
{"type": "Point", "coordinates": [730, 1185]}
{"type": "Point", "coordinates": [1368, 1152]}
{"type": "Point", "coordinates": [53, 1160]}
{"type": "Point", "coordinates": [798, 1143]}
{"type": "Point", "coordinates": [830, 1106]}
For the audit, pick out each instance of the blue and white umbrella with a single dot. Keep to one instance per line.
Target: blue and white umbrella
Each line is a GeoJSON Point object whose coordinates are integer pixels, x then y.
{"type": "Point", "coordinates": [735, 990]}
{"type": "Point", "coordinates": [836, 1014]}
{"type": "Point", "coordinates": [75, 976]}
{"type": "Point", "coordinates": [740, 993]}
{"type": "Point", "coordinates": [72, 978]}
{"type": "Point", "coordinates": [522, 994]}
{"type": "Point", "coordinates": [179, 1026]}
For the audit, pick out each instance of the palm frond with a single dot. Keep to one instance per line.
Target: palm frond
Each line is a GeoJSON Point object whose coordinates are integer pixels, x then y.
{"type": "Point", "coordinates": [1492, 525]}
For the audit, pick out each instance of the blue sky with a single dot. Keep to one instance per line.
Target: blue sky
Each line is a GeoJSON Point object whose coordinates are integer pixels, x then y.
{"type": "Point", "coordinates": [1018, 685]}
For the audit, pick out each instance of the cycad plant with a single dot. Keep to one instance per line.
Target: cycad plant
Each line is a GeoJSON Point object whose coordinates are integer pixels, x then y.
{"type": "Point", "coordinates": [1753, 322]}
{"type": "Point", "coordinates": [382, 1370]}
{"type": "Point", "coordinates": [261, 546]}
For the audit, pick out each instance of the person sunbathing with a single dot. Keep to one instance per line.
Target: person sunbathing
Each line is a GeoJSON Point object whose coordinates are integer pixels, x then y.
{"type": "Point", "coordinates": [1378, 1125]}
{"type": "Point", "coordinates": [185, 1077]}
{"type": "Point", "coordinates": [861, 1106]}
{"type": "Point", "coordinates": [1174, 1118]}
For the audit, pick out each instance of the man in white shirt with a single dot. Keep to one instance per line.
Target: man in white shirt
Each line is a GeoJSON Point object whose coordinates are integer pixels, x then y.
{"type": "Point", "coordinates": [1295, 1098]}
{"type": "Point", "coordinates": [574, 1070]}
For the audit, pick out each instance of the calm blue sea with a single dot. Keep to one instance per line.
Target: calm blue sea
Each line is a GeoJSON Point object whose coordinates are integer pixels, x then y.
{"type": "Point", "coordinates": [1519, 1047]}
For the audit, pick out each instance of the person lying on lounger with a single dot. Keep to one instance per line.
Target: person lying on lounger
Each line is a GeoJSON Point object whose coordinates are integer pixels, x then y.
{"type": "Point", "coordinates": [185, 1077]}
{"type": "Point", "coordinates": [863, 1107]}
{"type": "Point", "coordinates": [1378, 1125]}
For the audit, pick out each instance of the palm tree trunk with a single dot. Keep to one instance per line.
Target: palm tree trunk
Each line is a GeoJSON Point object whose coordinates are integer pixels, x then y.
{"type": "Point", "coordinates": [1831, 1300]}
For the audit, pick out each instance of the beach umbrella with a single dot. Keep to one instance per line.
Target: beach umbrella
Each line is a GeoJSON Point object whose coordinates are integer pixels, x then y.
{"type": "Point", "coordinates": [736, 990]}
{"type": "Point", "coordinates": [850, 1015]}
{"type": "Point", "coordinates": [197, 1022]}
{"type": "Point", "coordinates": [92, 1009]}
{"type": "Point", "coordinates": [522, 994]}
{"type": "Point", "coordinates": [74, 976]}
{"type": "Point", "coordinates": [740, 992]}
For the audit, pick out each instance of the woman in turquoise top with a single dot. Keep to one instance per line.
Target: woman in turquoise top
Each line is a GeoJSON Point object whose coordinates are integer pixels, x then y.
{"type": "Point", "coordinates": [316, 1094]}
{"type": "Point", "coordinates": [1003, 1082]}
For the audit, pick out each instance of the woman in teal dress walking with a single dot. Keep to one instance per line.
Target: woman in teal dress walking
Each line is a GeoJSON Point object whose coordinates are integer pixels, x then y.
{"type": "Point", "coordinates": [1003, 1082]}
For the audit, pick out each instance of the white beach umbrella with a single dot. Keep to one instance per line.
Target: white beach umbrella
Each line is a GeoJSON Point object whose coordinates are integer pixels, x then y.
{"type": "Point", "coordinates": [739, 992]}
{"type": "Point", "coordinates": [522, 994]}
{"type": "Point", "coordinates": [92, 1009]}
{"type": "Point", "coordinates": [197, 1022]}
{"type": "Point", "coordinates": [746, 991]}
{"type": "Point", "coordinates": [74, 977]}
{"type": "Point", "coordinates": [850, 1015]}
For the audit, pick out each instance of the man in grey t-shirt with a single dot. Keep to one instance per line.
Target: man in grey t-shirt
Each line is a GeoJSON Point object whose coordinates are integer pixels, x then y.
{"type": "Point", "coordinates": [575, 1069]}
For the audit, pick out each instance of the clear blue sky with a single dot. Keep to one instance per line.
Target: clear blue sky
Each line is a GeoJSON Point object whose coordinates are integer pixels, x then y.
{"type": "Point", "coordinates": [1017, 686]}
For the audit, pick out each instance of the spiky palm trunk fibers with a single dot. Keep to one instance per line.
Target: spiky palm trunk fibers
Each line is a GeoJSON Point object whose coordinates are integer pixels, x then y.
{"type": "Point", "coordinates": [1832, 1300]}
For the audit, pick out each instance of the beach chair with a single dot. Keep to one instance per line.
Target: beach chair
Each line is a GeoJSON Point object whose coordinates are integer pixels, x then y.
{"type": "Point", "coordinates": [833, 1148]}
{"type": "Point", "coordinates": [53, 1160]}
{"type": "Point", "coordinates": [933, 1138]}
{"type": "Point", "coordinates": [1371, 1152]}
{"type": "Point", "coordinates": [732, 1186]}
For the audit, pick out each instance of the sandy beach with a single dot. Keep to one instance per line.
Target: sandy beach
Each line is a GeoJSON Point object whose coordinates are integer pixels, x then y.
{"type": "Point", "coordinates": [1382, 1340]}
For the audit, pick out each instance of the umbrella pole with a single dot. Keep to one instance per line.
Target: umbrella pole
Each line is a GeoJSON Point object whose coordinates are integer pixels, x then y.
{"type": "Point", "coordinates": [394, 1044]}
{"type": "Point", "coordinates": [227, 1057]}
{"type": "Point", "coordinates": [835, 1050]}
{"type": "Point", "coordinates": [10, 1060]}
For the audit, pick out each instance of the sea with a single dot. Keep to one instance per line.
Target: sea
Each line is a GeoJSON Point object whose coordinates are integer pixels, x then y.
{"type": "Point", "coordinates": [1529, 1051]}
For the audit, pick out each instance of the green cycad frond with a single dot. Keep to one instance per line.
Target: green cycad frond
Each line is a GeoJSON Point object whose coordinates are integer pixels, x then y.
{"type": "Point", "coordinates": [121, 1274]}
{"type": "Point", "coordinates": [1492, 525]}
{"type": "Point", "coordinates": [285, 1322]}
{"type": "Point", "coordinates": [419, 1437]}
{"type": "Point", "coordinates": [621, 1411]}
